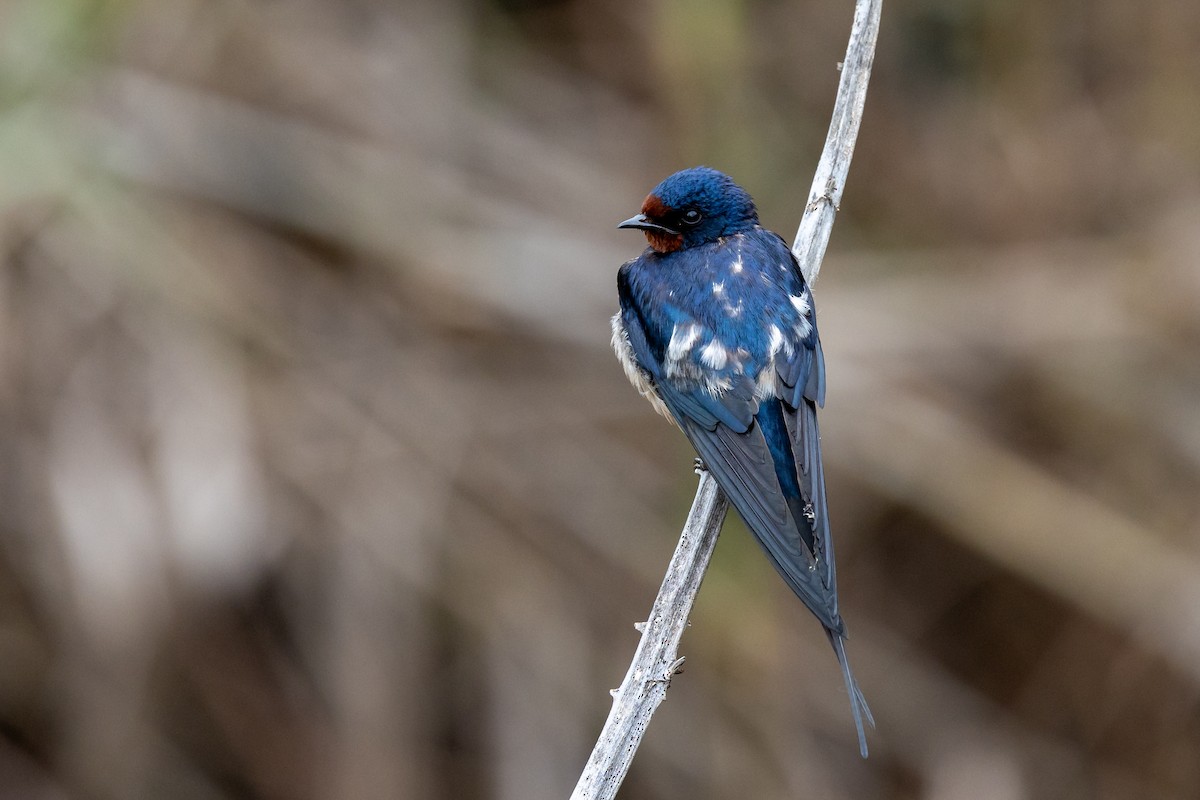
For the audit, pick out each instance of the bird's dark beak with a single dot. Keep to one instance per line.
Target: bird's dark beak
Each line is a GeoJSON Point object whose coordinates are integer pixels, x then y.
{"type": "Point", "coordinates": [642, 222]}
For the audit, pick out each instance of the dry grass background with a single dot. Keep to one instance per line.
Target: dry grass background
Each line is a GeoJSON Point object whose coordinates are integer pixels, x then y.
{"type": "Point", "coordinates": [320, 481]}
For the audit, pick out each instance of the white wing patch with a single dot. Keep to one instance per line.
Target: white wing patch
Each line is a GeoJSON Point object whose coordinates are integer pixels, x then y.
{"type": "Point", "coordinates": [777, 342]}
{"type": "Point", "coordinates": [803, 305]}
{"type": "Point", "coordinates": [683, 337]}
{"type": "Point", "coordinates": [764, 386]}
{"type": "Point", "coordinates": [713, 366]}
{"type": "Point", "coordinates": [714, 354]}
{"type": "Point", "coordinates": [679, 363]}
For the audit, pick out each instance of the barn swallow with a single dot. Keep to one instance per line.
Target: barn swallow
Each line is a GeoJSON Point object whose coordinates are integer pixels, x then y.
{"type": "Point", "coordinates": [717, 330]}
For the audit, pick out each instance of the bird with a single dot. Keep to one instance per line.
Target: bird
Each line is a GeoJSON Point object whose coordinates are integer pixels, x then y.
{"type": "Point", "coordinates": [717, 329]}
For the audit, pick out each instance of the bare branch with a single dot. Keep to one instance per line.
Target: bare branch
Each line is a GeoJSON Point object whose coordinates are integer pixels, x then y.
{"type": "Point", "coordinates": [656, 660]}
{"type": "Point", "coordinates": [825, 196]}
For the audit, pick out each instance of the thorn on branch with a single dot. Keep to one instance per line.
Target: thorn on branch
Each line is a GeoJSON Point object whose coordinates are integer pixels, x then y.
{"type": "Point", "coordinates": [675, 669]}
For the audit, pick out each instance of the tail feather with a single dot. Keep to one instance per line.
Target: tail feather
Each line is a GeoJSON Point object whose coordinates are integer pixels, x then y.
{"type": "Point", "coordinates": [858, 703]}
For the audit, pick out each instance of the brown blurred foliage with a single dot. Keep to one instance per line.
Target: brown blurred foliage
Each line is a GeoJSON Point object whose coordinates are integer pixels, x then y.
{"type": "Point", "coordinates": [319, 480]}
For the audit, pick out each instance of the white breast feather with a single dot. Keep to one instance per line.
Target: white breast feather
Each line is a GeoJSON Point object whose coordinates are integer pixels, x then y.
{"type": "Point", "coordinates": [636, 375]}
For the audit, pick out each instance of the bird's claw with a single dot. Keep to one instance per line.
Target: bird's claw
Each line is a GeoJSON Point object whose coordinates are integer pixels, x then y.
{"type": "Point", "coordinates": [698, 466]}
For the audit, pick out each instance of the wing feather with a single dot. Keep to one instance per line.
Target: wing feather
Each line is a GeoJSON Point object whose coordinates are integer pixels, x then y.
{"type": "Point", "coordinates": [743, 466]}
{"type": "Point", "coordinates": [806, 444]}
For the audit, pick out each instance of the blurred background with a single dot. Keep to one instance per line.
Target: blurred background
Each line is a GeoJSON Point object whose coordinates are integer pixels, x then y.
{"type": "Point", "coordinates": [319, 479]}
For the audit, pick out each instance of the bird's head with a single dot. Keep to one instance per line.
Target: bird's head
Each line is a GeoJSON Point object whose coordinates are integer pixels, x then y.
{"type": "Point", "coordinates": [692, 207]}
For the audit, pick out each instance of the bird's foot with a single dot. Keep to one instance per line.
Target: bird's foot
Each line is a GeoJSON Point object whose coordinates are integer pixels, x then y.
{"type": "Point", "coordinates": [698, 466]}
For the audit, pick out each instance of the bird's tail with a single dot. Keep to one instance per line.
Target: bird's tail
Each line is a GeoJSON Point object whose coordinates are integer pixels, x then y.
{"type": "Point", "coordinates": [858, 703]}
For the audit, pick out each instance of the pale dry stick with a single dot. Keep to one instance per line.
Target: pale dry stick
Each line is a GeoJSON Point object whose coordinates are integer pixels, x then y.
{"type": "Point", "coordinates": [654, 663]}
{"type": "Point", "coordinates": [655, 660]}
{"type": "Point", "coordinates": [825, 196]}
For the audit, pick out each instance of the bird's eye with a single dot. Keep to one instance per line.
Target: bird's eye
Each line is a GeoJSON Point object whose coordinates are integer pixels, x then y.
{"type": "Point", "coordinates": [692, 217]}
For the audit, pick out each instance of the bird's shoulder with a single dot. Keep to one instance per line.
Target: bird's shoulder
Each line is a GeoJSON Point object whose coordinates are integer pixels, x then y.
{"type": "Point", "coordinates": [743, 290]}
{"type": "Point", "coordinates": [755, 263]}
